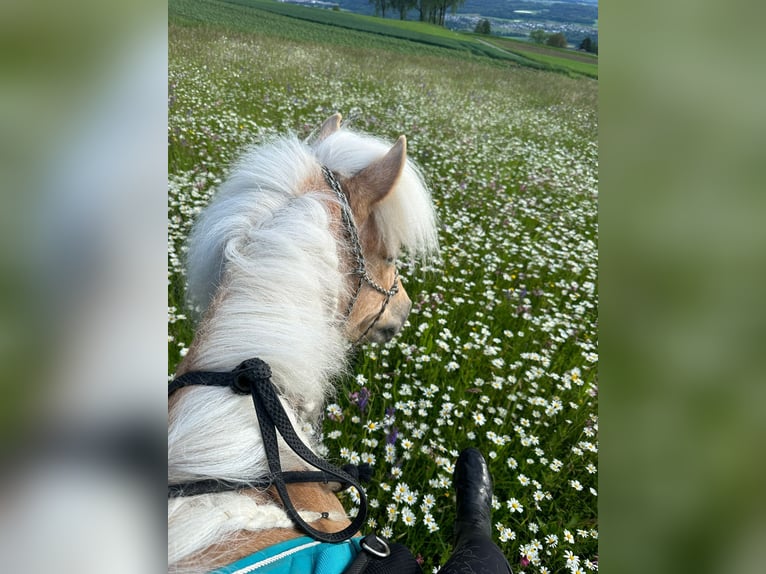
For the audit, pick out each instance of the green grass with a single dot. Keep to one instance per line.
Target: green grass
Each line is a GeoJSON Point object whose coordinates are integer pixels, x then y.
{"type": "Point", "coordinates": [500, 348]}
{"type": "Point", "coordinates": [557, 58]}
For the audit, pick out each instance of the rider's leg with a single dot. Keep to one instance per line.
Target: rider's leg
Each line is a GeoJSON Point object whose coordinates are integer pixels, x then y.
{"type": "Point", "coordinates": [474, 552]}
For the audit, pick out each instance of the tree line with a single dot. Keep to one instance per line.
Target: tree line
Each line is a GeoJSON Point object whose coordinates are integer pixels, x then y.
{"type": "Point", "coordinates": [558, 40]}
{"type": "Point", "coordinates": [432, 11]}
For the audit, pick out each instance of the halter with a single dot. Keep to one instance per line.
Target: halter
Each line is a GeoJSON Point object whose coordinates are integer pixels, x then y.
{"type": "Point", "coordinates": [347, 216]}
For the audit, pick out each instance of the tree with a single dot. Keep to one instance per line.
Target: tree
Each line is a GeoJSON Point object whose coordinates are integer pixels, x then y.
{"type": "Point", "coordinates": [482, 27]}
{"type": "Point", "coordinates": [433, 11]}
{"type": "Point", "coordinates": [558, 40]}
{"type": "Point", "coordinates": [589, 45]}
{"type": "Point", "coordinates": [423, 6]}
{"type": "Point", "coordinates": [402, 6]}
{"type": "Point", "coordinates": [380, 7]}
{"type": "Point", "coordinates": [538, 36]}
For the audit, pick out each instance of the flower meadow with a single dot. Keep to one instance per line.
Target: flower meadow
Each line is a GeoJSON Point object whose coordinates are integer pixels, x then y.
{"type": "Point", "coordinates": [500, 349]}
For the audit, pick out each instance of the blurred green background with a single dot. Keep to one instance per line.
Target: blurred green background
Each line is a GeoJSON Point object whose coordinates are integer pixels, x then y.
{"type": "Point", "coordinates": [682, 143]}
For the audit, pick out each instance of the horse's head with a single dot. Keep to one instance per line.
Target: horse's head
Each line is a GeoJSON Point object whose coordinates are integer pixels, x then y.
{"type": "Point", "coordinates": [378, 304]}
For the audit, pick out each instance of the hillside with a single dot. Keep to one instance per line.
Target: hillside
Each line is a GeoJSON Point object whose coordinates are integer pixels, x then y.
{"type": "Point", "coordinates": [287, 20]}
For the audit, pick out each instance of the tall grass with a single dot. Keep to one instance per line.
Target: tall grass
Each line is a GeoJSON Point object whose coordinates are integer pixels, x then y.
{"type": "Point", "coordinates": [500, 349]}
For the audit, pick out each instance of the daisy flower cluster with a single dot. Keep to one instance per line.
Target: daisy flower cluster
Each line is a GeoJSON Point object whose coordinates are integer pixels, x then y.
{"type": "Point", "coordinates": [500, 350]}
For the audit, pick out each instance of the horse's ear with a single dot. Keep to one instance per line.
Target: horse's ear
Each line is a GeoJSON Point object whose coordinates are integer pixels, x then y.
{"type": "Point", "coordinates": [330, 126]}
{"type": "Point", "coordinates": [378, 179]}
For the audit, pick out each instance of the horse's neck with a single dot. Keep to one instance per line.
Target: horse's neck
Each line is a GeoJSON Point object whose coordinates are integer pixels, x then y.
{"type": "Point", "coordinates": [307, 497]}
{"type": "Point", "coordinates": [303, 344]}
{"type": "Point", "coordinates": [286, 315]}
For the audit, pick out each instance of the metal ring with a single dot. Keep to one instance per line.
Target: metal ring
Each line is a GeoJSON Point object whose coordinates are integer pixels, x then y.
{"type": "Point", "coordinates": [380, 554]}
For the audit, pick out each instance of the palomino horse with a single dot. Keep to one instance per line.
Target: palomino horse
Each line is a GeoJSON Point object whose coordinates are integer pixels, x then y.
{"type": "Point", "coordinates": [293, 259]}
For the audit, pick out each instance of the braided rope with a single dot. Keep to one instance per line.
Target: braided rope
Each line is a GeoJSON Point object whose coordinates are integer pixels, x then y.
{"type": "Point", "coordinates": [253, 377]}
{"type": "Point", "coordinates": [272, 418]}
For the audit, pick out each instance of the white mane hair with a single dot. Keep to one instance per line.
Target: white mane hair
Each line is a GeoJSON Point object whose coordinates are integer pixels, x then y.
{"type": "Point", "coordinates": [406, 216]}
{"type": "Point", "coordinates": [263, 266]}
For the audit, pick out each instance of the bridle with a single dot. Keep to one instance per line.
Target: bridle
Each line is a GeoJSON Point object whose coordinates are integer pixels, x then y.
{"type": "Point", "coordinates": [360, 269]}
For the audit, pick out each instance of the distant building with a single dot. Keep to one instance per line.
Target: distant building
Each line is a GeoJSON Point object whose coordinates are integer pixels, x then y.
{"type": "Point", "coordinates": [313, 3]}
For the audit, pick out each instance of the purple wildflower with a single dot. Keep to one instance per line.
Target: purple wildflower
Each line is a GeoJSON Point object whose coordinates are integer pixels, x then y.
{"type": "Point", "coordinates": [361, 398]}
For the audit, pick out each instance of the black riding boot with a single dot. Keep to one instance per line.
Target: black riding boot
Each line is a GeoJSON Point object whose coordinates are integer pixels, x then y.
{"type": "Point", "coordinates": [474, 552]}
{"type": "Point", "coordinates": [473, 486]}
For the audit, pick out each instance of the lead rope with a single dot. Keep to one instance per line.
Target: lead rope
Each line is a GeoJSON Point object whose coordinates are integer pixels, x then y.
{"type": "Point", "coordinates": [272, 418]}
{"type": "Point", "coordinates": [253, 377]}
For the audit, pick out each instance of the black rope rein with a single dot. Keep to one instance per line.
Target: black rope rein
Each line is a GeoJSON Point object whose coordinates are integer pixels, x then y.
{"type": "Point", "coordinates": [253, 377]}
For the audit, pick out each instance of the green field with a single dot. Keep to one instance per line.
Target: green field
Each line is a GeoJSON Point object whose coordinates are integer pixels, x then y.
{"type": "Point", "coordinates": [345, 28]}
{"type": "Point", "coordinates": [500, 350]}
{"type": "Point", "coordinates": [558, 58]}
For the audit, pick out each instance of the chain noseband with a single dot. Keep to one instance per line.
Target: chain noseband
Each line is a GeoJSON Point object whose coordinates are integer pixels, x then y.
{"type": "Point", "coordinates": [360, 271]}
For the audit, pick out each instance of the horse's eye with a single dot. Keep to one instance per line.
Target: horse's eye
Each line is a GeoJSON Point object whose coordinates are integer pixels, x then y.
{"type": "Point", "coordinates": [390, 260]}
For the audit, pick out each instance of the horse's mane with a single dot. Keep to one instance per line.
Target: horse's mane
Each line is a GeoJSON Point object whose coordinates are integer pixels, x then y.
{"type": "Point", "coordinates": [264, 264]}
{"type": "Point", "coordinates": [263, 268]}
